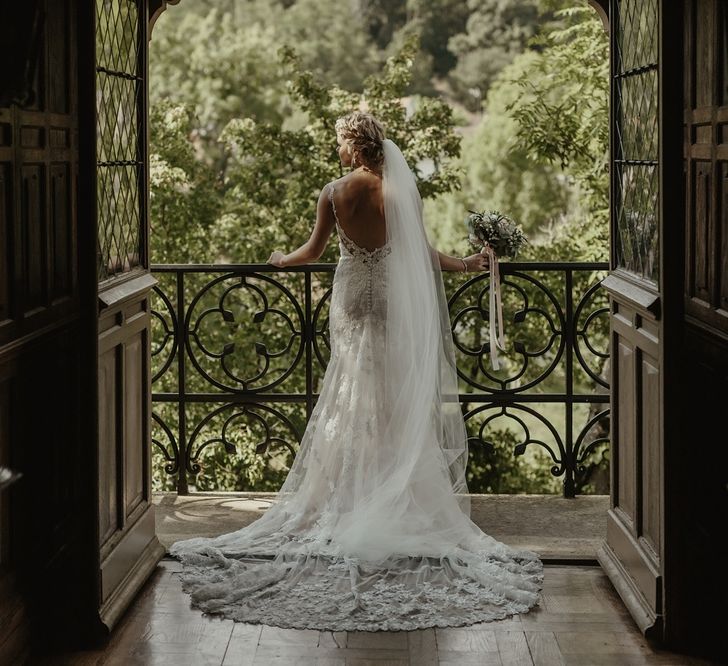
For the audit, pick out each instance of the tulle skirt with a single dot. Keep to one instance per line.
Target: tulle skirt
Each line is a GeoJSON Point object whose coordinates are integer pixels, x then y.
{"type": "Point", "coordinates": [351, 543]}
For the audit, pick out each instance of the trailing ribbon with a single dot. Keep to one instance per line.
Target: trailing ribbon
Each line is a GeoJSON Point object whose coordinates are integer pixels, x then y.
{"type": "Point", "coordinates": [495, 310]}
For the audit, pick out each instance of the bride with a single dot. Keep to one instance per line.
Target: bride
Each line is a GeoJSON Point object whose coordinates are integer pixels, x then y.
{"type": "Point", "coordinates": [371, 528]}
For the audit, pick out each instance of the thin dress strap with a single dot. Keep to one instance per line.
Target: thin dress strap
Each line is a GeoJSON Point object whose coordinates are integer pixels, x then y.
{"type": "Point", "coordinates": [333, 205]}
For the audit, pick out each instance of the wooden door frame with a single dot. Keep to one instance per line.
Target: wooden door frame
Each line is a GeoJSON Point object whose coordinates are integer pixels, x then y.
{"type": "Point", "coordinates": [88, 290]}
{"type": "Point", "coordinates": [672, 250]}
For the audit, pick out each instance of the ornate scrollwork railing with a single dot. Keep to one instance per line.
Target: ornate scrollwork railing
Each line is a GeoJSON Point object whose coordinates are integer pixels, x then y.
{"type": "Point", "coordinates": [238, 353]}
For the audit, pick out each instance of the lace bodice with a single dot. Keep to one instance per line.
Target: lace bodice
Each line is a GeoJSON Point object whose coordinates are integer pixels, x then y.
{"type": "Point", "coordinates": [359, 291]}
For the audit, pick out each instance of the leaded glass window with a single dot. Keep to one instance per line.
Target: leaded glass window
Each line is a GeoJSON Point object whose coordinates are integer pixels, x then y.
{"type": "Point", "coordinates": [119, 142]}
{"type": "Point", "coordinates": [636, 183]}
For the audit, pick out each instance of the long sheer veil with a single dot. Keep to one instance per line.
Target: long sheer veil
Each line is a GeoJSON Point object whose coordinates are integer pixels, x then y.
{"type": "Point", "coordinates": [420, 376]}
{"type": "Point", "coordinates": [409, 497]}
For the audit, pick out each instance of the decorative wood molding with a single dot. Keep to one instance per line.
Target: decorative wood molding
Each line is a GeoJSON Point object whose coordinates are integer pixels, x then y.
{"type": "Point", "coordinates": [126, 291]}
{"type": "Point", "coordinates": [126, 592]}
{"type": "Point", "coordinates": [629, 291]}
{"type": "Point", "coordinates": [648, 622]}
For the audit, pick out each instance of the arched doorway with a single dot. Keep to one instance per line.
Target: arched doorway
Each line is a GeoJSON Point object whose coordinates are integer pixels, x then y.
{"type": "Point", "coordinates": [89, 330]}
{"type": "Point", "coordinates": [633, 553]}
{"type": "Point", "coordinates": [645, 289]}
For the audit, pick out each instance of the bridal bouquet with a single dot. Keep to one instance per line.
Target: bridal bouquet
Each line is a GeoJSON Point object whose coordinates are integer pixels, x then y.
{"type": "Point", "coordinates": [495, 235]}
{"type": "Point", "coordinates": [495, 230]}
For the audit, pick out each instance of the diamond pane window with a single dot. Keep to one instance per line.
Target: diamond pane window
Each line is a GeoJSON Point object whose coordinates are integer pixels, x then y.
{"type": "Point", "coordinates": [637, 33]}
{"type": "Point", "coordinates": [118, 149]}
{"type": "Point", "coordinates": [636, 144]}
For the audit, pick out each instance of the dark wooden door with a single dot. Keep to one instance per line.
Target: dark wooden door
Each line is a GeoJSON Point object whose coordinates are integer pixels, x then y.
{"type": "Point", "coordinates": [46, 421]}
{"type": "Point", "coordinates": [669, 312]}
{"type": "Point", "coordinates": [77, 531]}
{"type": "Point", "coordinates": [699, 473]}
{"type": "Point", "coordinates": [640, 291]}
{"type": "Point", "coordinates": [128, 547]}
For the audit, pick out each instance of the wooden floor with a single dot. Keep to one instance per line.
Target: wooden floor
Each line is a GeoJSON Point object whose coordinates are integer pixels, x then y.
{"type": "Point", "coordinates": [581, 621]}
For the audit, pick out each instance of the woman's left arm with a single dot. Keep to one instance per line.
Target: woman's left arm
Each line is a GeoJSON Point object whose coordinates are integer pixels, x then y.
{"type": "Point", "coordinates": [314, 247]}
{"type": "Point", "coordinates": [474, 262]}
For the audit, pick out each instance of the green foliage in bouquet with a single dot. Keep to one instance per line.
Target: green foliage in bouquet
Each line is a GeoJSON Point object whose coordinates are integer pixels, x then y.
{"type": "Point", "coordinates": [496, 230]}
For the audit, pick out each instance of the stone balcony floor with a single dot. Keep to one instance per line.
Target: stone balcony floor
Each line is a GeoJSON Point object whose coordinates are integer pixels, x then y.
{"type": "Point", "coordinates": [557, 529]}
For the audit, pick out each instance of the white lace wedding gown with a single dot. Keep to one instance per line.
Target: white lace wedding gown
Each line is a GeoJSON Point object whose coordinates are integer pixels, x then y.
{"type": "Point", "coordinates": [367, 532]}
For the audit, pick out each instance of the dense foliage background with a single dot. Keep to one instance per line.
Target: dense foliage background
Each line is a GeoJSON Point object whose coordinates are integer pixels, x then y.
{"type": "Point", "coordinates": [499, 104]}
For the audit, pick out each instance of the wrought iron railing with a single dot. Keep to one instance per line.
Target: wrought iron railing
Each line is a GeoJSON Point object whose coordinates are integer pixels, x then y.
{"type": "Point", "coordinates": [240, 350]}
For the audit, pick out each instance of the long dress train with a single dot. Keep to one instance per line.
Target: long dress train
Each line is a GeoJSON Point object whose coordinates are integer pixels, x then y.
{"type": "Point", "coordinates": [360, 538]}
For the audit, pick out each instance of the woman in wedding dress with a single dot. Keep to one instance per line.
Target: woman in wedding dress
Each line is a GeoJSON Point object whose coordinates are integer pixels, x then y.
{"type": "Point", "coordinates": [371, 529]}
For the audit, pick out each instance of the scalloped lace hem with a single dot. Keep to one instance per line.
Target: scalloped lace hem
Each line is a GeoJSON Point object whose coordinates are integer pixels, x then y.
{"type": "Point", "coordinates": [332, 597]}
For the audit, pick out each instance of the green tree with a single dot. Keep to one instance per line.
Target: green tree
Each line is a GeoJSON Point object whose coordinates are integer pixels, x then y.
{"type": "Point", "coordinates": [383, 18]}
{"type": "Point", "coordinates": [498, 174]}
{"type": "Point", "coordinates": [184, 194]}
{"type": "Point", "coordinates": [495, 33]}
{"type": "Point", "coordinates": [437, 21]}
{"type": "Point", "coordinates": [220, 69]}
{"type": "Point", "coordinates": [540, 151]}
{"type": "Point", "coordinates": [275, 172]}
{"type": "Point", "coordinates": [332, 41]}
{"type": "Point", "coordinates": [562, 120]}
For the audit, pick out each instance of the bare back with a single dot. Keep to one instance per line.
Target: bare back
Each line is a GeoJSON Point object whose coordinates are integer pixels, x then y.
{"type": "Point", "coordinates": [360, 209]}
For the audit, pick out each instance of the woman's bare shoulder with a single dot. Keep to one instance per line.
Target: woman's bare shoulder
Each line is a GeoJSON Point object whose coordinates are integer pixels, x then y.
{"type": "Point", "coordinates": [355, 184]}
{"type": "Point", "coordinates": [341, 186]}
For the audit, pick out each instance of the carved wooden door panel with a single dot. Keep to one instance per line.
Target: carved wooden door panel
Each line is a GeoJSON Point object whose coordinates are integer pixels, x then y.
{"type": "Point", "coordinates": [700, 467]}
{"type": "Point", "coordinates": [128, 547]}
{"type": "Point", "coordinates": [45, 336]}
{"type": "Point", "coordinates": [633, 553]}
{"type": "Point", "coordinates": [669, 318]}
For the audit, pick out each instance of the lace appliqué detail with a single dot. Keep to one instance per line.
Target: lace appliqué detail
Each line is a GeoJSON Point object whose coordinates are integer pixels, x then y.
{"type": "Point", "coordinates": [339, 594]}
{"type": "Point", "coordinates": [361, 253]}
{"type": "Point", "coordinates": [358, 299]}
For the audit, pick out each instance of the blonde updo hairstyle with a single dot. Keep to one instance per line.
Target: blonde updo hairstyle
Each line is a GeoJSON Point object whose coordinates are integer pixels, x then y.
{"type": "Point", "coordinates": [364, 134]}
